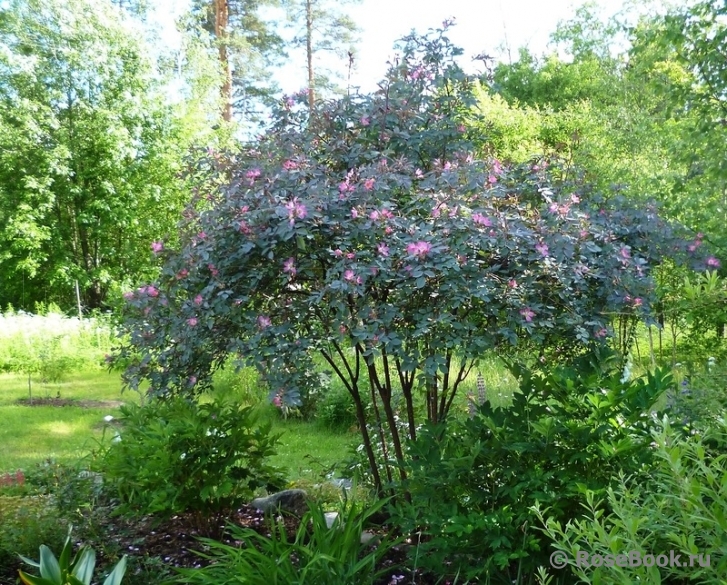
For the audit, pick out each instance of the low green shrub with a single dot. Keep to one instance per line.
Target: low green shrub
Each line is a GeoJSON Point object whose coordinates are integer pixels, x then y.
{"type": "Point", "coordinates": [679, 512]}
{"type": "Point", "coordinates": [72, 485]}
{"type": "Point", "coordinates": [336, 409]}
{"type": "Point", "coordinates": [317, 555]}
{"type": "Point", "coordinates": [700, 398]}
{"type": "Point", "coordinates": [472, 483]}
{"type": "Point", "coordinates": [25, 524]}
{"type": "Point", "coordinates": [241, 386]}
{"type": "Point", "coordinates": [178, 456]}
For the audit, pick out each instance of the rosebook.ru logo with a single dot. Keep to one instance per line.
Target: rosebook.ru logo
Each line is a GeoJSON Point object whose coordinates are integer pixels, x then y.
{"type": "Point", "coordinates": [583, 560]}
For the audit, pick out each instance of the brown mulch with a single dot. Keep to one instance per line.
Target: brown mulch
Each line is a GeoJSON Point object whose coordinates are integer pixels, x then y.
{"type": "Point", "coordinates": [156, 548]}
{"type": "Point", "coordinates": [57, 401]}
{"type": "Point", "coordinates": [174, 541]}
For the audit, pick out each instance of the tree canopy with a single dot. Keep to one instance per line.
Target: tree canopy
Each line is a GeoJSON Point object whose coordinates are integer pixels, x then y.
{"type": "Point", "coordinates": [89, 152]}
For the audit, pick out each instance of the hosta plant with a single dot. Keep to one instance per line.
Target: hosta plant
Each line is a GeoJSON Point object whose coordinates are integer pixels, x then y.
{"type": "Point", "coordinates": [69, 571]}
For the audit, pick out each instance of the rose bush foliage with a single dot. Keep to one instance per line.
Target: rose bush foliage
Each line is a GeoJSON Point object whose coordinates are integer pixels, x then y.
{"type": "Point", "coordinates": [370, 234]}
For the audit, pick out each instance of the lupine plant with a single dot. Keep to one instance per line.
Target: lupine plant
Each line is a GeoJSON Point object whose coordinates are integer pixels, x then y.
{"type": "Point", "coordinates": [367, 232]}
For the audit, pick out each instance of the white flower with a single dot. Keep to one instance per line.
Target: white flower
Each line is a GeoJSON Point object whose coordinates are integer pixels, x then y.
{"type": "Point", "coordinates": [116, 439]}
{"type": "Point", "coordinates": [108, 418]}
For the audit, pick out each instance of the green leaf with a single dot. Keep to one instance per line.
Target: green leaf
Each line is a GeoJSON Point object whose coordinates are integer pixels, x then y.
{"type": "Point", "coordinates": [30, 562]}
{"type": "Point", "coordinates": [49, 567]}
{"type": "Point", "coordinates": [30, 580]}
{"type": "Point", "coordinates": [117, 574]}
{"type": "Point", "coordinates": [65, 558]}
{"type": "Point", "coordinates": [85, 565]}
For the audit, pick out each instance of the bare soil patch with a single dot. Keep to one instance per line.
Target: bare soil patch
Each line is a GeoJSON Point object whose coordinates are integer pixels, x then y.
{"type": "Point", "coordinates": [60, 402]}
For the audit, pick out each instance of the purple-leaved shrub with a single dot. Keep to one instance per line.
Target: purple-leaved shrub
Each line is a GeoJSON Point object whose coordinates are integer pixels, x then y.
{"type": "Point", "coordinates": [370, 234]}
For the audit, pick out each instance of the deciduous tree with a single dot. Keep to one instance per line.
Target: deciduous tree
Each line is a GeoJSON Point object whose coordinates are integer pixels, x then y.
{"type": "Point", "coordinates": [89, 152]}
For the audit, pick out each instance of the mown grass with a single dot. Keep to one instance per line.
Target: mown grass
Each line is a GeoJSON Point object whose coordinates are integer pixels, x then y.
{"type": "Point", "coordinates": [31, 434]}
{"type": "Point", "coordinates": [308, 450]}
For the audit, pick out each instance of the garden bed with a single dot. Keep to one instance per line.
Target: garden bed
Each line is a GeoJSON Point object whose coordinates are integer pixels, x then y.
{"type": "Point", "coordinates": [58, 401]}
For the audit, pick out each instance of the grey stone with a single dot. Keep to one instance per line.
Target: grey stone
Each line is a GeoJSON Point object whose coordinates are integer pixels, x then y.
{"type": "Point", "coordinates": [342, 483]}
{"type": "Point", "coordinates": [367, 537]}
{"type": "Point", "coordinates": [96, 478]}
{"type": "Point", "coordinates": [293, 501]}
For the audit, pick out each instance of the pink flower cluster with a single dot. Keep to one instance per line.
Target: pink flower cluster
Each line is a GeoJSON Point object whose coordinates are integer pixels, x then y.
{"type": "Point", "coordinates": [350, 276]}
{"type": "Point", "coordinates": [420, 72]}
{"type": "Point", "coordinates": [444, 209]}
{"type": "Point", "coordinates": [157, 247]}
{"type": "Point", "coordinates": [712, 262]}
{"type": "Point", "coordinates": [480, 219]}
{"type": "Point", "coordinates": [419, 249]}
{"type": "Point", "coordinates": [561, 210]}
{"type": "Point", "coordinates": [382, 214]}
{"type": "Point", "coordinates": [252, 174]}
{"type": "Point", "coordinates": [345, 187]}
{"type": "Point", "coordinates": [542, 247]}
{"type": "Point", "coordinates": [634, 302]}
{"type": "Point", "coordinates": [527, 314]}
{"type": "Point", "coordinates": [150, 290]}
{"type": "Point", "coordinates": [296, 210]}
{"type": "Point", "coordinates": [289, 266]}
{"type": "Point", "coordinates": [696, 243]}
{"type": "Point", "coordinates": [263, 321]}
{"type": "Point", "coordinates": [338, 253]}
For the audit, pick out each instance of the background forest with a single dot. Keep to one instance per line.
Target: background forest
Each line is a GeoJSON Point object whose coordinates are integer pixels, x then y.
{"type": "Point", "coordinates": [99, 132]}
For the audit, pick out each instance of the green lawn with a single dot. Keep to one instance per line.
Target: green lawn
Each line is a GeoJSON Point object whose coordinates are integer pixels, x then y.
{"type": "Point", "coordinates": [31, 434]}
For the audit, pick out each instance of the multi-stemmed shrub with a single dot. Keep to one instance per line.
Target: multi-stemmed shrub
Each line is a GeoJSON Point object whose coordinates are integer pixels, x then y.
{"type": "Point", "coordinates": [472, 482]}
{"type": "Point", "coordinates": [178, 456]}
{"type": "Point", "coordinates": [369, 233]}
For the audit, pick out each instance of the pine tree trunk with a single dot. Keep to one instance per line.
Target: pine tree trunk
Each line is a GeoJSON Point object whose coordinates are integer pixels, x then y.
{"type": "Point", "coordinates": [309, 52]}
{"type": "Point", "coordinates": [222, 17]}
